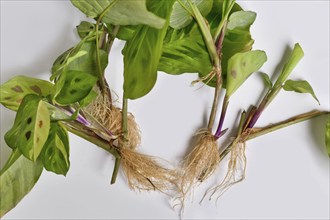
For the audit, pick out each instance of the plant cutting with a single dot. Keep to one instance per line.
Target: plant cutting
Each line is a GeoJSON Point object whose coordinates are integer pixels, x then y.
{"type": "Point", "coordinates": [78, 98]}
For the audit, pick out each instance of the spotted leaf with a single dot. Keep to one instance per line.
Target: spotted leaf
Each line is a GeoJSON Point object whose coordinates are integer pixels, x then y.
{"type": "Point", "coordinates": [73, 86]}
{"type": "Point", "coordinates": [241, 66]}
{"type": "Point", "coordinates": [55, 154]}
{"type": "Point", "coordinates": [31, 127]}
{"type": "Point", "coordinates": [13, 91]}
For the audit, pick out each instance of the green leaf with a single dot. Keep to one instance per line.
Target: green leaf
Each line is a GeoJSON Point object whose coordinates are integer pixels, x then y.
{"type": "Point", "coordinates": [31, 127]}
{"type": "Point", "coordinates": [142, 53]}
{"type": "Point", "coordinates": [327, 136]}
{"type": "Point", "coordinates": [296, 55]}
{"type": "Point", "coordinates": [241, 66]}
{"type": "Point", "coordinates": [17, 178]}
{"type": "Point", "coordinates": [268, 83]}
{"type": "Point", "coordinates": [82, 57]}
{"type": "Point", "coordinates": [55, 154]}
{"type": "Point", "coordinates": [180, 18]}
{"type": "Point", "coordinates": [73, 86]}
{"type": "Point", "coordinates": [241, 20]}
{"type": "Point", "coordinates": [300, 86]}
{"type": "Point", "coordinates": [184, 51]}
{"type": "Point", "coordinates": [87, 63]}
{"type": "Point", "coordinates": [126, 32]}
{"type": "Point", "coordinates": [88, 99]}
{"type": "Point", "coordinates": [13, 91]}
{"type": "Point", "coordinates": [123, 12]}
{"type": "Point", "coordinates": [84, 28]}
{"type": "Point", "coordinates": [185, 56]}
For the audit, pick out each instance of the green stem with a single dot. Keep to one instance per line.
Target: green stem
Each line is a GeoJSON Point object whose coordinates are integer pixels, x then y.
{"type": "Point", "coordinates": [81, 131]}
{"type": "Point", "coordinates": [256, 132]}
{"type": "Point", "coordinates": [223, 21]}
{"type": "Point", "coordinates": [206, 34]}
{"type": "Point", "coordinates": [98, 59]}
{"type": "Point", "coordinates": [239, 132]}
{"type": "Point", "coordinates": [111, 37]}
{"type": "Point", "coordinates": [115, 170]}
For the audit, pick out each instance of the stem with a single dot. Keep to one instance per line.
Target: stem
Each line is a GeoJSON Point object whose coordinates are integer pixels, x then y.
{"type": "Point", "coordinates": [90, 136]}
{"type": "Point", "coordinates": [217, 91]}
{"type": "Point", "coordinates": [218, 80]}
{"type": "Point", "coordinates": [222, 117]}
{"type": "Point", "coordinates": [256, 132]}
{"type": "Point", "coordinates": [98, 59]}
{"type": "Point", "coordinates": [223, 21]}
{"type": "Point", "coordinates": [269, 97]}
{"type": "Point", "coordinates": [205, 30]}
{"type": "Point", "coordinates": [124, 119]}
{"type": "Point", "coordinates": [111, 37]}
{"type": "Point", "coordinates": [239, 132]}
{"type": "Point", "coordinates": [115, 170]}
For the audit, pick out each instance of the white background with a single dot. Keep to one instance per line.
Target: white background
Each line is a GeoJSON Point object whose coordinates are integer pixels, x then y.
{"type": "Point", "coordinates": [287, 171]}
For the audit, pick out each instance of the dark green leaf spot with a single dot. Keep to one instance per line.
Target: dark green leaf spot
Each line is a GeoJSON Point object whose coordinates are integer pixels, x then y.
{"type": "Point", "coordinates": [28, 135]}
{"type": "Point", "coordinates": [17, 89]}
{"type": "Point", "coordinates": [77, 80]}
{"type": "Point", "coordinates": [29, 120]}
{"type": "Point", "coordinates": [40, 124]}
{"type": "Point", "coordinates": [7, 98]}
{"type": "Point", "coordinates": [73, 91]}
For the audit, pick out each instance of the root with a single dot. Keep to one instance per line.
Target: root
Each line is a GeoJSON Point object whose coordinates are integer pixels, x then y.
{"type": "Point", "coordinates": [145, 173]}
{"type": "Point", "coordinates": [236, 171]}
{"type": "Point", "coordinates": [111, 119]}
{"type": "Point", "coordinates": [199, 164]}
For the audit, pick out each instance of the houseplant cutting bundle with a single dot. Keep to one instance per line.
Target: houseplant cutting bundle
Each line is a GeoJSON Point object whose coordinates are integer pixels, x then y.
{"type": "Point", "coordinates": [208, 37]}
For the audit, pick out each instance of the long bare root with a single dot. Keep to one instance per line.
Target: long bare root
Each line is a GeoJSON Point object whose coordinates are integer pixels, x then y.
{"type": "Point", "coordinates": [143, 172]}
{"type": "Point", "coordinates": [235, 173]}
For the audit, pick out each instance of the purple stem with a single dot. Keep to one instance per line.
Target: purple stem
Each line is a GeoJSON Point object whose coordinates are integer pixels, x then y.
{"type": "Point", "coordinates": [219, 131]}
{"type": "Point", "coordinates": [80, 118]}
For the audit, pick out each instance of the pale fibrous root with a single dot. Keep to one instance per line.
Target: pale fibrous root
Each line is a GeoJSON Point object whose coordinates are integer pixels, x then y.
{"type": "Point", "coordinates": [144, 172]}
{"type": "Point", "coordinates": [235, 173]}
{"type": "Point", "coordinates": [199, 164]}
{"type": "Point", "coordinates": [110, 117]}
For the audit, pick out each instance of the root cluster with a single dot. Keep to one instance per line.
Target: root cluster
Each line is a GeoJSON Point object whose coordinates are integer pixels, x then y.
{"type": "Point", "coordinates": [144, 172]}
{"type": "Point", "coordinates": [200, 163]}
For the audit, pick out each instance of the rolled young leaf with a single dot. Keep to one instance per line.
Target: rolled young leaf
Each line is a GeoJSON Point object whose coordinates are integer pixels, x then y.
{"type": "Point", "coordinates": [142, 53]}
{"type": "Point", "coordinates": [31, 127]}
{"type": "Point", "coordinates": [17, 178]}
{"type": "Point", "coordinates": [13, 91]}
{"type": "Point", "coordinates": [300, 86]}
{"type": "Point", "coordinates": [268, 83]}
{"type": "Point", "coordinates": [123, 12]}
{"type": "Point", "coordinates": [241, 66]}
{"type": "Point", "coordinates": [296, 55]}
